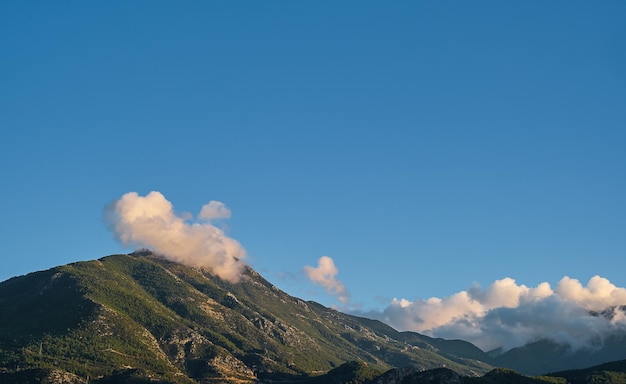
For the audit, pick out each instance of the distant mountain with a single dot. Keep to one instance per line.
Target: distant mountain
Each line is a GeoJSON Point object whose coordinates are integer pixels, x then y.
{"type": "Point", "coordinates": [547, 356]}
{"type": "Point", "coordinates": [140, 318]}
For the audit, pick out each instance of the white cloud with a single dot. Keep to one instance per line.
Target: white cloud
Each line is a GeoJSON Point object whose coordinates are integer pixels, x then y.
{"type": "Point", "coordinates": [597, 295]}
{"type": "Point", "coordinates": [214, 210]}
{"type": "Point", "coordinates": [324, 275]}
{"type": "Point", "coordinates": [508, 315]}
{"type": "Point", "coordinates": [150, 221]}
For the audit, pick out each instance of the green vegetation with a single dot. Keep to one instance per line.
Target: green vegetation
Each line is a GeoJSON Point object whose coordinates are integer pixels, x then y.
{"type": "Point", "coordinates": [352, 372]}
{"type": "Point", "coordinates": [502, 375]}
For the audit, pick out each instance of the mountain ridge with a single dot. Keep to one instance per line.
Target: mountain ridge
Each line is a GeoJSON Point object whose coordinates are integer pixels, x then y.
{"type": "Point", "coordinates": [143, 312]}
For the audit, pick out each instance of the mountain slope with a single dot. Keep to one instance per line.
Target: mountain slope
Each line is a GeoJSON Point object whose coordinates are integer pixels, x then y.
{"type": "Point", "coordinates": [455, 350]}
{"type": "Point", "coordinates": [142, 316]}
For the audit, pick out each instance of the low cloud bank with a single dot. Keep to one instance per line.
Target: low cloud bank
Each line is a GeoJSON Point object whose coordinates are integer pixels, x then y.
{"type": "Point", "coordinates": [324, 275]}
{"type": "Point", "coordinates": [150, 221]}
{"type": "Point", "coordinates": [507, 315]}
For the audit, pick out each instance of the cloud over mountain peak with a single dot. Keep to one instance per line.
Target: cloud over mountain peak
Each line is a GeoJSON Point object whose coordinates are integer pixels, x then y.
{"type": "Point", "coordinates": [150, 221]}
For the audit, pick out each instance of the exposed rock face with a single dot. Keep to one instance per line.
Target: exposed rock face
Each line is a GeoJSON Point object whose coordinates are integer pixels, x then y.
{"type": "Point", "coordinates": [58, 376]}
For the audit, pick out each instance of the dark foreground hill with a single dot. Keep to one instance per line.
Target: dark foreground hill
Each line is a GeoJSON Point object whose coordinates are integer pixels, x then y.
{"type": "Point", "coordinates": [610, 373]}
{"type": "Point", "coordinates": [140, 318]}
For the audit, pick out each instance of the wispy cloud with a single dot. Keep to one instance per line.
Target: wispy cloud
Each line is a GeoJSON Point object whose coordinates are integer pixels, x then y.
{"type": "Point", "coordinates": [324, 275]}
{"type": "Point", "coordinates": [150, 221]}
{"type": "Point", "coordinates": [507, 315]}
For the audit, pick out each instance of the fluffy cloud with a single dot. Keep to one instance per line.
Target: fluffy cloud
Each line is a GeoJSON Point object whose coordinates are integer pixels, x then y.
{"type": "Point", "coordinates": [506, 315]}
{"type": "Point", "coordinates": [213, 211]}
{"type": "Point", "coordinates": [597, 295]}
{"type": "Point", "coordinates": [324, 275]}
{"type": "Point", "coordinates": [150, 221]}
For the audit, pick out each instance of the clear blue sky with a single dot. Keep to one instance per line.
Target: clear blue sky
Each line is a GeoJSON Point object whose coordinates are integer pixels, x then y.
{"type": "Point", "coordinates": [423, 146]}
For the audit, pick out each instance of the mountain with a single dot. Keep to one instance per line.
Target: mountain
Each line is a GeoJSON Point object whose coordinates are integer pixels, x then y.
{"type": "Point", "coordinates": [547, 356]}
{"type": "Point", "coordinates": [140, 318]}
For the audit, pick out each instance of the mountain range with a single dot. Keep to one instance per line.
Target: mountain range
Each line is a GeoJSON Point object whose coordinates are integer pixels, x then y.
{"type": "Point", "coordinates": [140, 318]}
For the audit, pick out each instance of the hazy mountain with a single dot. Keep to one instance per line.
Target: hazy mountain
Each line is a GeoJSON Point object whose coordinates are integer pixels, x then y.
{"type": "Point", "coordinates": [547, 356]}
{"type": "Point", "coordinates": [135, 317]}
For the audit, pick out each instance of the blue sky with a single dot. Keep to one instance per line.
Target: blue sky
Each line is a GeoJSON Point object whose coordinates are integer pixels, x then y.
{"type": "Point", "coordinates": [423, 146]}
